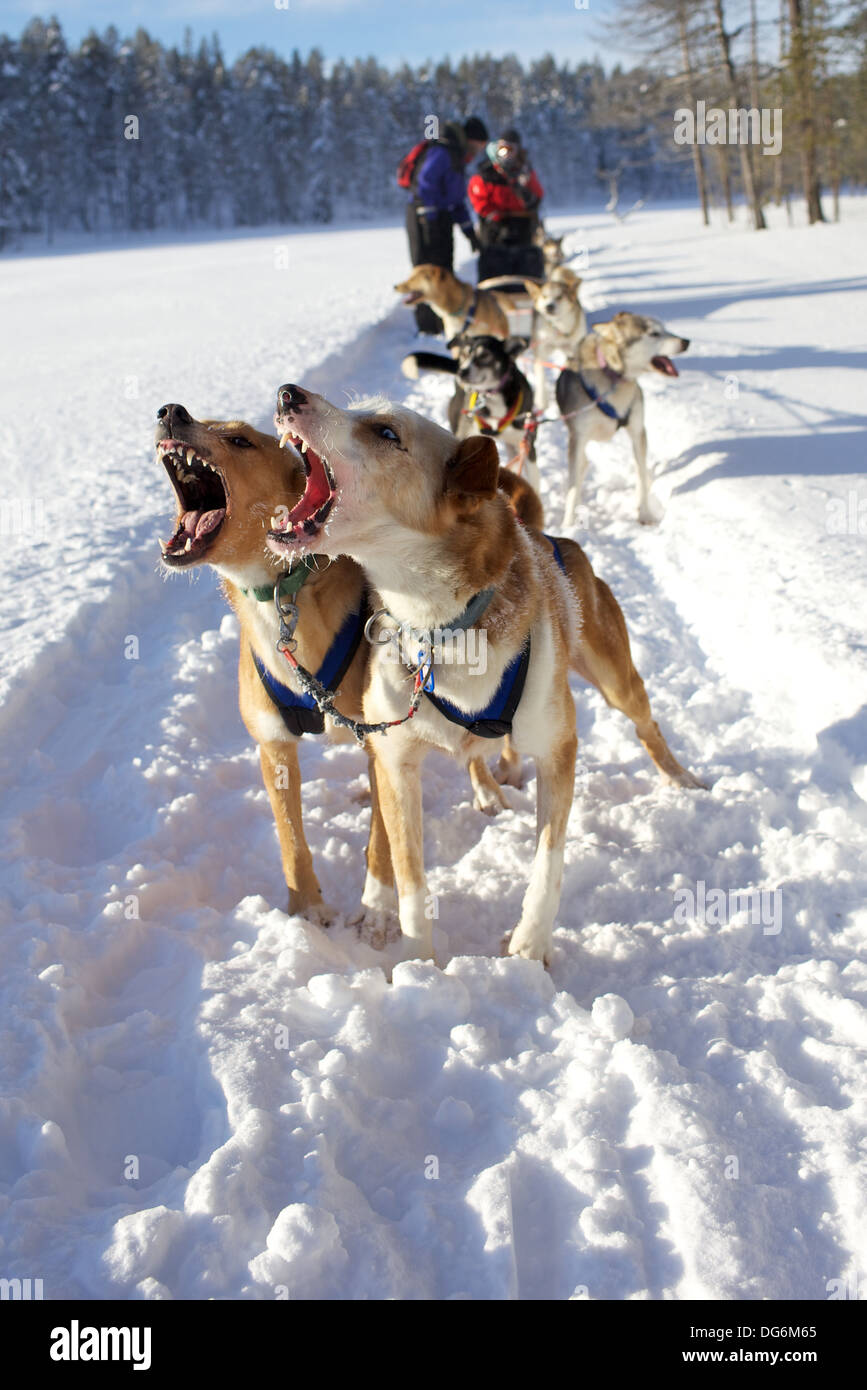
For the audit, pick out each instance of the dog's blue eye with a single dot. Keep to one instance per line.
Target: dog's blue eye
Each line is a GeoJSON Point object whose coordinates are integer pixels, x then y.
{"type": "Point", "coordinates": [386, 432]}
{"type": "Point", "coordinates": [239, 441]}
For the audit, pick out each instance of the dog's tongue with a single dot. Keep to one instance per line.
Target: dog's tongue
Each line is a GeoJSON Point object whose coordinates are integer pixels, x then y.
{"type": "Point", "coordinates": [664, 365]}
{"type": "Point", "coordinates": [197, 524]}
{"type": "Point", "coordinates": [316, 492]}
{"type": "Point", "coordinates": [209, 520]}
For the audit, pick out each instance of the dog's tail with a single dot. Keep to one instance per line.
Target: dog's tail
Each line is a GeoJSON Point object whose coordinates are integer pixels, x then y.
{"type": "Point", "coordinates": [416, 362]}
{"type": "Point", "coordinates": [602, 656]}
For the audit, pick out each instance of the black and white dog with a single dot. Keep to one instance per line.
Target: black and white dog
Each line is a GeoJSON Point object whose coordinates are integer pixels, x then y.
{"type": "Point", "coordinates": [492, 395]}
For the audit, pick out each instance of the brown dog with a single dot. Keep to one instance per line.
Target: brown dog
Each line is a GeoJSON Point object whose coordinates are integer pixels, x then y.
{"type": "Point", "coordinates": [462, 308]}
{"type": "Point", "coordinates": [446, 555]}
{"type": "Point", "coordinates": [231, 481]}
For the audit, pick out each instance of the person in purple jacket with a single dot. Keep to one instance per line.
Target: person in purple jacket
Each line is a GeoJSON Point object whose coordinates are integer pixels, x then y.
{"type": "Point", "coordinates": [437, 201]}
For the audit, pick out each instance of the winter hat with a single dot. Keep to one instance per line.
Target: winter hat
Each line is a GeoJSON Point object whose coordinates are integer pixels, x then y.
{"type": "Point", "coordinates": [475, 129]}
{"type": "Point", "coordinates": [509, 137]}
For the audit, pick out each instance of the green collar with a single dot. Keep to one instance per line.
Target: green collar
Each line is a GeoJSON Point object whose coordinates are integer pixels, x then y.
{"type": "Point", "coordinates": [288, 583]}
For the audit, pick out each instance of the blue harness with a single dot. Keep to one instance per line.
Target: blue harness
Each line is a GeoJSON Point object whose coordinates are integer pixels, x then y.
{"type": "Point", "coordinates": [495, 720]}
{"type": "Point", "coordinates": [600, 402]}
{"type": "Point", "coordinates": [301, 714]}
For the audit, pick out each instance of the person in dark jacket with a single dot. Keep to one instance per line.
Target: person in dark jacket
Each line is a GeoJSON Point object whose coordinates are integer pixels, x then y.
{"type": "Point", "coordinates": [437, 202]}
{"type": "Point", "coordinates": [506, 193]}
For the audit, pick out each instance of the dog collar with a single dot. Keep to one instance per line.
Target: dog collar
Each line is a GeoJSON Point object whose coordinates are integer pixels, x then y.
{"type": "Point", "coordinates": [289, 582]}
{"type": "Point", "coordinates": [499, 425]}
{"type": "Point", "coordinates": [470, 615]}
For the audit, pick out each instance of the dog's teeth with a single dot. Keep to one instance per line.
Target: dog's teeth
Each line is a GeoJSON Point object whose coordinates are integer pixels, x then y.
{"type": "Point", "coordinates": [284, 439]}
{"type": "Point", "coordinates": [304, 446]}
{"type": "Point", "coordinates": [191, 456]}
{"type": "Point", "coordinates": [188, 544]}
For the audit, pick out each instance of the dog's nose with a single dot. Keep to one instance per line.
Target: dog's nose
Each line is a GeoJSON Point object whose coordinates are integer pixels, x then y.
{"type": "Point", "coordinates": [174, 415]}
{"type": "Point", "coordinates": [684, 344]}
{"type": "Point", "coordinates": [288, 397]}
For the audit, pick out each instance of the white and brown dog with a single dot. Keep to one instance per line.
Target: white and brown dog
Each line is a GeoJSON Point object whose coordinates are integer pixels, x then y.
{"type": "Point", "coordinates": [559, 323]}
{"type": "Point", "coordinates": [444, 554]}
{"type": "Point", "coordinates": [598, 394]}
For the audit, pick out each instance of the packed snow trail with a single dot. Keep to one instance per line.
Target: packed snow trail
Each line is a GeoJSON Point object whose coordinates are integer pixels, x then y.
{"type": "Point", "coordinates": [211, 1100]}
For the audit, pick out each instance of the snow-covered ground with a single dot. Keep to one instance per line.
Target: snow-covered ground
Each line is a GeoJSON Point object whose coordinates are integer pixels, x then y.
{"type": "Point", "coordinates": [203, 1098]}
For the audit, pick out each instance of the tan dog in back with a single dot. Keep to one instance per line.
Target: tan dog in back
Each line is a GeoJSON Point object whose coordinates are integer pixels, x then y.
{"type": "Point", "coordinates": [445, 554]}
{"type": "Point", "coordinates": [462, 308]}
{"type": "Point", "coordinates": [559, 324]}
{"type": "Point", "coordinates": [552, 248]}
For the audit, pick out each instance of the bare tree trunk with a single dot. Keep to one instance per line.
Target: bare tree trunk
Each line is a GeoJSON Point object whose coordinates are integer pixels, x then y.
{"type": "Point", "coordinates": [755, 95]}
{"type": "Point", "coordinates": [835, 177]}
{"type": "Point", "coordinates": [744, 150]}
{"type": "Point", "coordinates": [804, 97]}
{"type": "Point", "coordinates": [697, 158]}
{"type": "Point", "coordinates": [725, 177]}
{"type": "Point", "coordinates": [778, 161]}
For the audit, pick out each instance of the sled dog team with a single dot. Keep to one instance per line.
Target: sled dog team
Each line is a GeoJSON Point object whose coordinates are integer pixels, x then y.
{"type": "Point", "coordinates": [352, 542]}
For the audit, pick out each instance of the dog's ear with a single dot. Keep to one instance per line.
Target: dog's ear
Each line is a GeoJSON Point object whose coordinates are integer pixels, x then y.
{"type": "Point", "coordinates": [607, 348]}
{"type": "Point", "coordinates": [460, 341]}
{"type": "Point", "coordinates": [474, 470]}
{"type": "Point", "coordinates": [532, 289]}
{"type": "Point", "coordinates": [566, 276]}
{"type": "Point", "coordinates": [513, 347]}
{"type": "Point", "coordinates": [599, 349]}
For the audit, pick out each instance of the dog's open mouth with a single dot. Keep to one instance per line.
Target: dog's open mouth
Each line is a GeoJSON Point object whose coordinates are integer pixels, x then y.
{"type": "Point", "coordinates": [203, 502]}
{"type": "Point", "coordinates": [664, 365]}
{"type": "Point", "coordinates": [309, 515]}
{"type": "Point", "coordinates": [413, 297]}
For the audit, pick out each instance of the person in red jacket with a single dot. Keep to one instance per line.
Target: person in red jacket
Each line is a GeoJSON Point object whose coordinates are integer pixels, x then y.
{"type": "Point", "coordinates": [506, 193]}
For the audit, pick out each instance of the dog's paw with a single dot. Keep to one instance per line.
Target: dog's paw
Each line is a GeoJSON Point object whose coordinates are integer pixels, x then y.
{"type": "Point", "coordinates": [409, 367]}
{"type": "Point", "coordinates": [375, 927]}
{"type": "Point", "coordinates": [686, 779]}
{"type": "Point", "coordinates": [520, 943]}
{"type": "Point", "coordinates": [491, 800]}
{"type": "Point", "coordinates": [318, 914]}
{"type": "Point", "coordinates": [650, 513]}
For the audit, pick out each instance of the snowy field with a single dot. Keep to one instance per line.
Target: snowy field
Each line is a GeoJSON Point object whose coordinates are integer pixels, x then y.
{"type": "Point", "coordinates": [676, 1110]}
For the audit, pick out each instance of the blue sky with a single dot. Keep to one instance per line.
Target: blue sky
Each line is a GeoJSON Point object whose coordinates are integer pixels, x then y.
{"type": "Point", "coordinates": [392, 30]}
